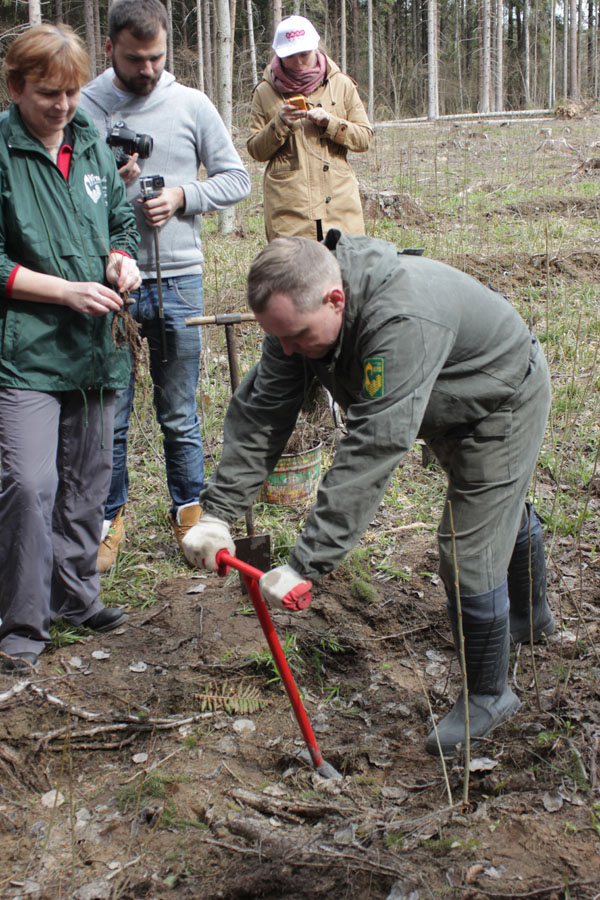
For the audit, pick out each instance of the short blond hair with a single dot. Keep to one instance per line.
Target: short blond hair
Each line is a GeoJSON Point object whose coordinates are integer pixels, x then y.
{"type": "Point", "coordinates": [47, 51]}
{"type": "Point", "coordinates": [296, 266]}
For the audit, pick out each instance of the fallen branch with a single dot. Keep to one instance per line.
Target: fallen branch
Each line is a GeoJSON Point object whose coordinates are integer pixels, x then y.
{"type": "Point", "coordinates": [17, 688]}
{"type": "Point", "coordinates": [277, 844]}
{"type": "Point", "coordinates": [553, 890]}
{"type": "Point", "coordinates": [293, 809]}
{"type": "Point", "coordinates": [398, 634]}
{"type": "Point", "coordinates": [428, 526]}
{"type": "Point", "coordinates": [76, 711]}
{"type": "Point", "coordinates": [156, 613]}
{"type": "Point", "coordinates": [139, 726]}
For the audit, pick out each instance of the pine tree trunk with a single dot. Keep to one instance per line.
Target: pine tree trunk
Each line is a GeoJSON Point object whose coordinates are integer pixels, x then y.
{"type": "Point", "coordinates": [170, 57]}
{"type": "Point", "coordinates": [371, 98]}
{"type": "Point", "coordinates": [343, 35]}
{"type": "Point", "coordinates": [208, 79]}
{"type": "Point", "coordinates": [574, 92]}
{"type": "Point", "coordinates": [499, 55]}
{"type": "Point", "coordinates": [552, 58]}
{"type": "Point", "coordinates": [90, 34]}
{"type": "Point", "coordinates": [355, 44]}
{"type": "Point", "coordinates": [484, 56]}
{"type": "Point", "coordinates": [526, 55]}
{"type": "Point", "coordinates": [200, 44]}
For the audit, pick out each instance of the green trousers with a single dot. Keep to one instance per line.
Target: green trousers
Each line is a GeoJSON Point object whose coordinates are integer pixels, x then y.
{"type": "Point", "coordinates": [489, 468]}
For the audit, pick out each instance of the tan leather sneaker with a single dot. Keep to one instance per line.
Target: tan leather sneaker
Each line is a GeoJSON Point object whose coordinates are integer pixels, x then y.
{"type": "Point", "coordinates": [187, 516]}
{"type": "Point", "coordinates": [112, 543]}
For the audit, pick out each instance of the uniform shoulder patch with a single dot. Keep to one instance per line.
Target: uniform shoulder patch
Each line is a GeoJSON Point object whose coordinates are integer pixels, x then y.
{"type": "Point", "coordinates": [374, 378]}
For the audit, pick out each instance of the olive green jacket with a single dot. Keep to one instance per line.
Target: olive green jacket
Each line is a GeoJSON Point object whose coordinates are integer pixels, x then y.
{"type": "Point", "coordinates": [65, 229]}
{"type": "Point", "coordinates": [308, 175]}
{"type": "Point", "coordinates": [424, 350]}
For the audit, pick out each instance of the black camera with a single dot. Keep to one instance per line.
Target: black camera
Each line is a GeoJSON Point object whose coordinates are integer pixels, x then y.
{"type": "Point", "coordinates": [124, 142]}
{"type": "Point", "coordinates": [151, 186]}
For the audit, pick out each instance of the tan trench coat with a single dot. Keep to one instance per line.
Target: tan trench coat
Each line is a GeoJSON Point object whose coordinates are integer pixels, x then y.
{"type": "Point", "coordinates": [308, 176]}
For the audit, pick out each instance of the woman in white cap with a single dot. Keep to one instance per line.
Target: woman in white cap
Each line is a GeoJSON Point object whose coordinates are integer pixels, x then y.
{"type": "Point", "coordinates": [309, 185]}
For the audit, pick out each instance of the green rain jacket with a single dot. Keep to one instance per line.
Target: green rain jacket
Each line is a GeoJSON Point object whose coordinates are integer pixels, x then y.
{"type": "Point", "coordinates": [424, 350]}
{"type": "Point", "coordinates": [65, 229]}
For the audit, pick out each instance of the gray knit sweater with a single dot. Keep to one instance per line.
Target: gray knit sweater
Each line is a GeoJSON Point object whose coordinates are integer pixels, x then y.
{"type": "Point", "coordinates": [187, 132]}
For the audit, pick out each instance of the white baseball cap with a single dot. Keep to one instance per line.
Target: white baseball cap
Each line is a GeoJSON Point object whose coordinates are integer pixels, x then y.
{"type": "Point", "coordinates": [294, 35]}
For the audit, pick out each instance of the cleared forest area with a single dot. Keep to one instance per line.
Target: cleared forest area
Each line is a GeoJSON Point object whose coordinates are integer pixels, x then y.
{"type": "Point", "coordinates": [162, 761]}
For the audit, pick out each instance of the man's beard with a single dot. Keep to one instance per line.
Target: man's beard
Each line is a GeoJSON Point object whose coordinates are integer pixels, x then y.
{"type": "Point", "coordinates": [140, 86]}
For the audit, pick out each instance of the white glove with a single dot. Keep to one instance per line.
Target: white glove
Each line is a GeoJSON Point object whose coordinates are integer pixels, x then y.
{"type": "Point", "coordinates": [285, 588]}
{"type": "Point", "coordinates": [204, 540]}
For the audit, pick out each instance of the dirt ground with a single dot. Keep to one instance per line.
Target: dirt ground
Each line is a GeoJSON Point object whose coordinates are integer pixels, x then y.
{"type": "Point", "coordinates": [162, 760]}
{"type": "Point", "coordinates": [164, 793]}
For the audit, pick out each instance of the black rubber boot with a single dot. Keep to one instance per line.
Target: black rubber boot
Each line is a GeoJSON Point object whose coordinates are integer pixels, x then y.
{"type": "Point", "coordinates": [491, 700]}
{"type": "Point", "coordinates": [528, 585]}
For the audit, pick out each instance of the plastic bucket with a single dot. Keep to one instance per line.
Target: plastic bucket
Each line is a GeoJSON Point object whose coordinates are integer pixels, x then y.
{"type": "Point", "coordinates": [294, 480]}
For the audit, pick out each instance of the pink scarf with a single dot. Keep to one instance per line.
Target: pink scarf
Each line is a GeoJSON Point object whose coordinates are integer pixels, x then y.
{"type": "Point", "coordinates": [298, 82]}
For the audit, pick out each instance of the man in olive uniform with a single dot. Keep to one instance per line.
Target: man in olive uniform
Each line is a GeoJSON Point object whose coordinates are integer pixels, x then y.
{"type": "Point", "coordinates": [408, 347]}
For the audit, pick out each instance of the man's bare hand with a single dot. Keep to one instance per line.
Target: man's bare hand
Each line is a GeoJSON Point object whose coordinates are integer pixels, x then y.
{"type": "Point", "coordinates": [123, 271]}
{"type": "Point", "coordinates": [130, 171]}
{"type": "Point", "coordinates": [159, 210]}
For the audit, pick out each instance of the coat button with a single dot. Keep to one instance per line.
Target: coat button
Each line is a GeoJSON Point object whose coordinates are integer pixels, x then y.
{"type": "Point", "coordinates": [327, 199]}
{"type": "Point", "coordinates": [326, 168]}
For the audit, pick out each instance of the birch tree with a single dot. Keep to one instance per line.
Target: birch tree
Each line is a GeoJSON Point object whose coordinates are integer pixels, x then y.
{"type": "Point", "coordinates": [251, 43]}
{"type": "Point", "coordinates": [35, 12]}
{"type": "Point", "coordinates": [433, 105]}
{"type": "Point", "coordinates": [224, 93]}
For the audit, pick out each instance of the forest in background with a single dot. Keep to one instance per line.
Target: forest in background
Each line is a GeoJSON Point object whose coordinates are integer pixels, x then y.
{"type": "Point", "coordinates": [409, 57]}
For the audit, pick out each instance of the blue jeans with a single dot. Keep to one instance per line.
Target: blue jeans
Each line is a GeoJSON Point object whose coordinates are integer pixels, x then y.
{"type": "Point", "coordinates": [174, 382]}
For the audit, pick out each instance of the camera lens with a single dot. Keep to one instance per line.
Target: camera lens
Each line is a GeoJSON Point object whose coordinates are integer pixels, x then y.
{"type": "Point", "coordinates": [144, 145]}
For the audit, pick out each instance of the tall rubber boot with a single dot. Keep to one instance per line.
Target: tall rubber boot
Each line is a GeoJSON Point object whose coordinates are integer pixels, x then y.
{"type": "Point", "coordinates": [523, 589]}
{"type": "Point", "coordinates": [491, 700]}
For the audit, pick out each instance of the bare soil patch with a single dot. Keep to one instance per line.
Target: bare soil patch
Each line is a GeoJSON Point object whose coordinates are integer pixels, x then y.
{"type": "Point", "coordinates": [222, 808]}
{"type": "Point", "coordinates": [174, 751]}
{"type": "Point", "coordinates": [563, 206]}
{"type": "Point", "coordinates": [514, 270]}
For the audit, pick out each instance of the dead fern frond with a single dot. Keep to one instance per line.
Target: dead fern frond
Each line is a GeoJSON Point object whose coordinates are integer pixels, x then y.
{"type": "Point", "coordinates": [237, 699]}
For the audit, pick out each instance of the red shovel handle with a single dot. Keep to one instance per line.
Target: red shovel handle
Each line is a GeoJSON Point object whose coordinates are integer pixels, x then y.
{"type": "Point", "coordinates": [251, 577]}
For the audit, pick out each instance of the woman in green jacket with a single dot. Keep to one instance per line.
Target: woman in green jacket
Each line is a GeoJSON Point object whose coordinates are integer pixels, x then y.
{"type": "Point", "coordinates": [66, 233]}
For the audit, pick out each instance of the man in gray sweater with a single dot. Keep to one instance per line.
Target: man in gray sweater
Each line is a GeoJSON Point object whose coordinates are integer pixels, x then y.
{"type": "Point", "coordinates": [409, 348]}
{"type": "Point", "coordinates": [187, 132]}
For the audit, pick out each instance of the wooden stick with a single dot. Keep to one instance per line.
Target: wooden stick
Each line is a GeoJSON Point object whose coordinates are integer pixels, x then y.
{"type": "Point", "coordinates": [221, 319]}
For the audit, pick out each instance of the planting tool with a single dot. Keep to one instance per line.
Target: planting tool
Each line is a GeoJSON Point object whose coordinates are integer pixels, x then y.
{"type": "Point", "coordinates": [251, 577]}
{"type": "Point", "coordinates": [254, 549]}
